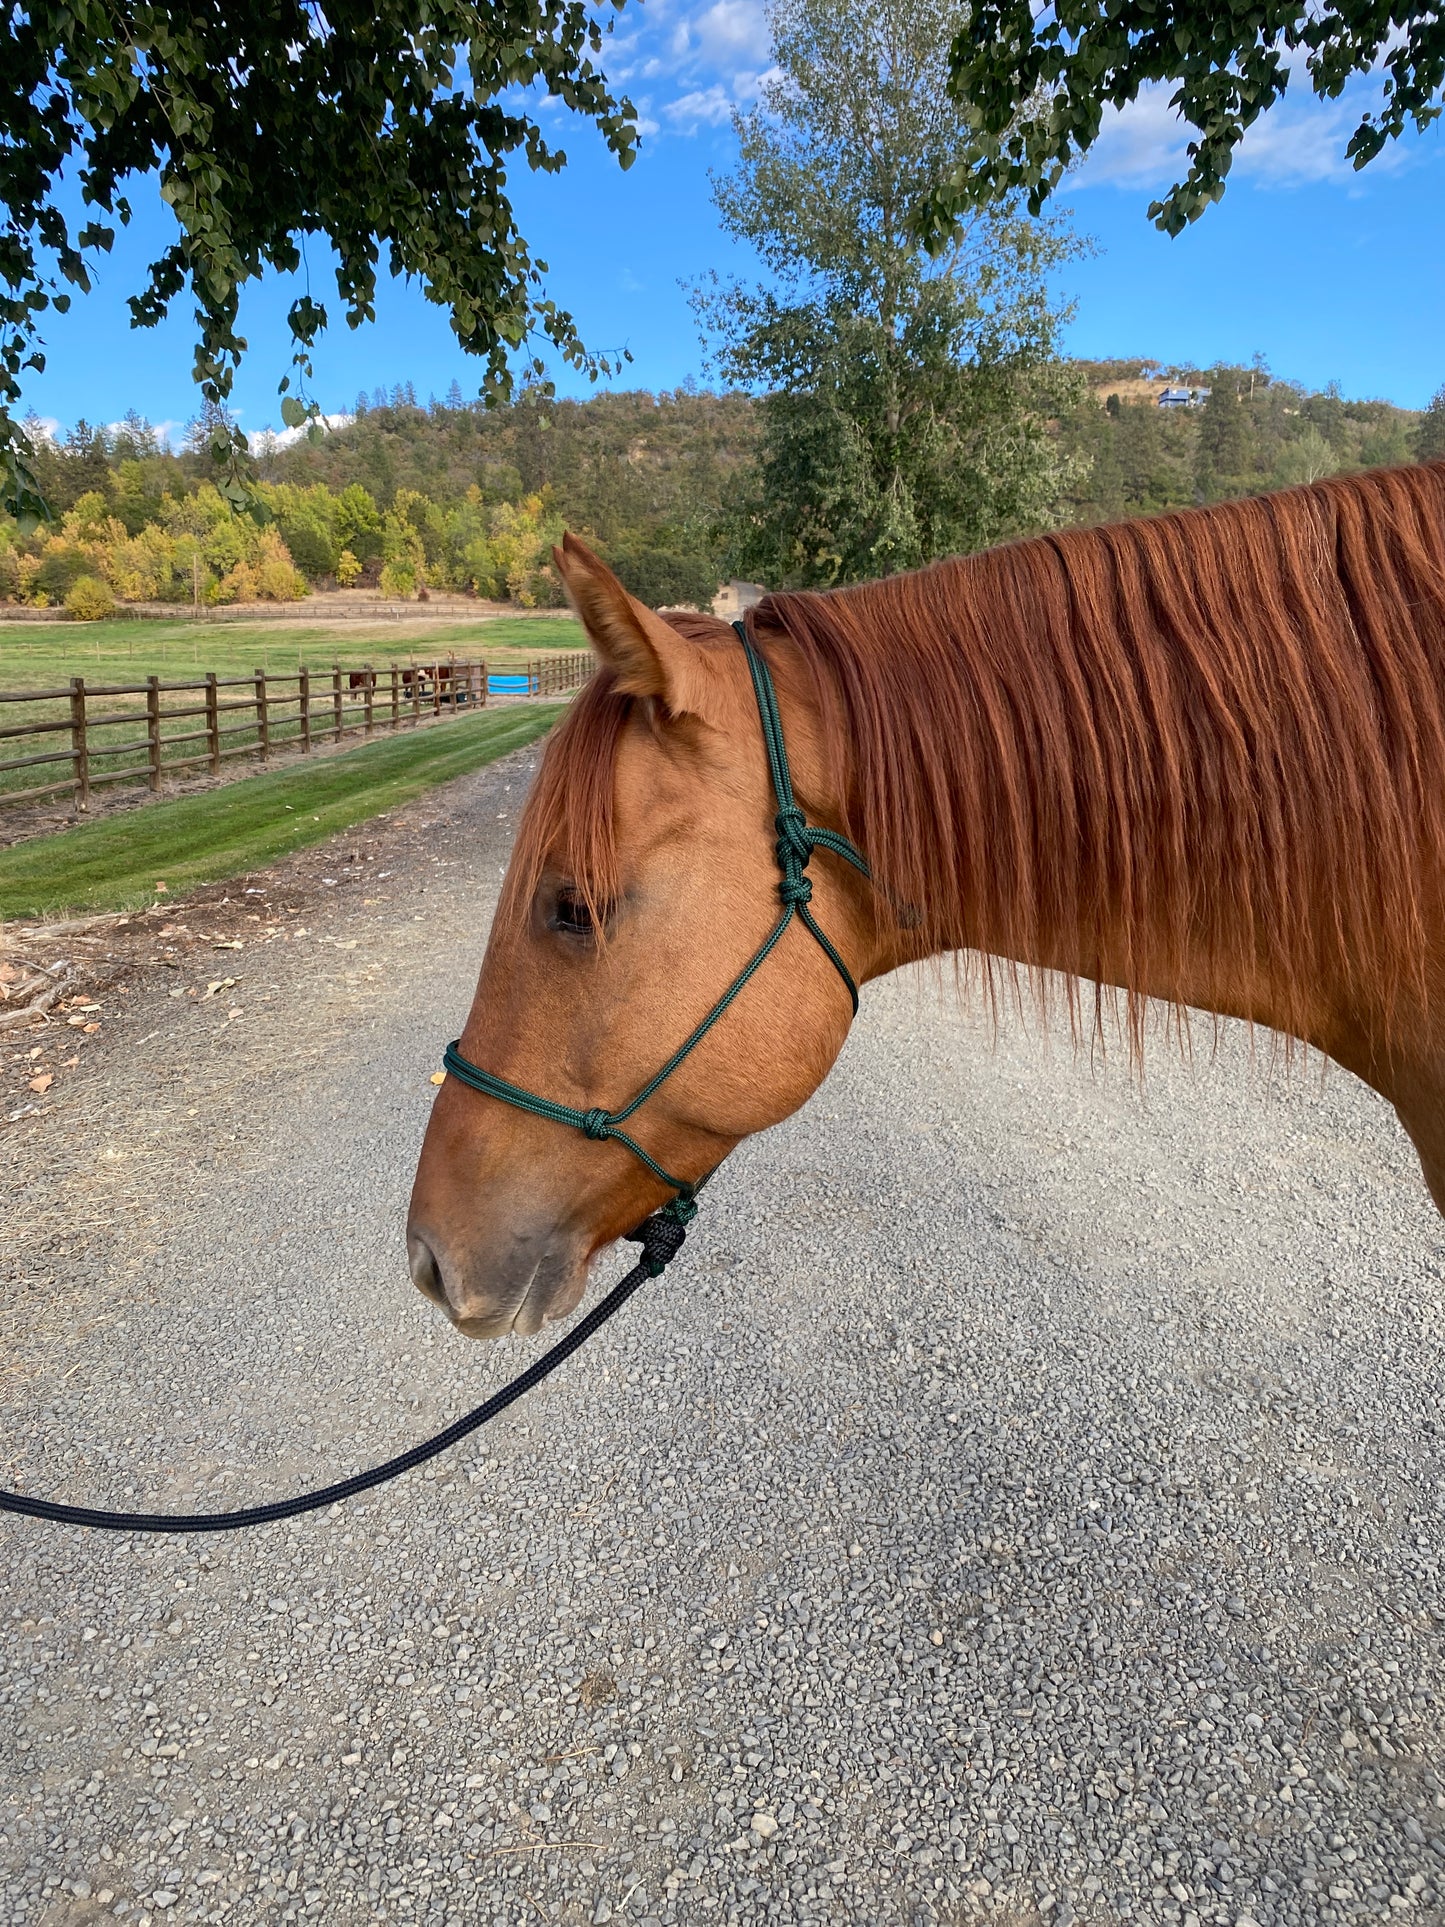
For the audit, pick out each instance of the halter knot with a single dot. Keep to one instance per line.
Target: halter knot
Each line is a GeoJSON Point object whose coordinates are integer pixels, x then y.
{"type": "Point", "coordinates": [796, 890]}
{"type": "Point", "coordinates": [795, 845]}
{"type": "Point", "coordinates": [597, 1124]}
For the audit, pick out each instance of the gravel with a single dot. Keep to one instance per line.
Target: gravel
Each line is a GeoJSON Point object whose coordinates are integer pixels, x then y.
{"type": "Point", "coordinates": [1022, 1502]}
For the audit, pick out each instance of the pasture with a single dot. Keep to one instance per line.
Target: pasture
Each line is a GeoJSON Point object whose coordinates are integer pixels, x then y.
{"type": "Point", "coordinates": [37, 654]}
{"type": "Point", "coordinates": [1019, 1503]}
{"type": "Point", "coordinates": [116, 863]}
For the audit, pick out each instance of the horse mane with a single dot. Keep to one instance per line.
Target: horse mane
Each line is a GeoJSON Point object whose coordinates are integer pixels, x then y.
{"type": "Point", "coordinates": [1215, 733]}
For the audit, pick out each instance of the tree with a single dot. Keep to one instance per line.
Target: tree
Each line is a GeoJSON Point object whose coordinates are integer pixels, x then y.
{"type": "Point", "coordinates": [1306, 457]}
{"type": "Point", "coordinates": [1038, 80]}
{"type": "Point", "coordinates": [1222, 452]}
{"type": "Point", "coordinates": [906, 399]}
{"type": "Point", "coordinates": [390, 124]}
{"type": "Point", "coordinates": [1430, 430]}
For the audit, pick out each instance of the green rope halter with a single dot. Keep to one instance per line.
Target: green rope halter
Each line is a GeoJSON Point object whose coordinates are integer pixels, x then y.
{"type": "Point", "coordinates": [796, 841]}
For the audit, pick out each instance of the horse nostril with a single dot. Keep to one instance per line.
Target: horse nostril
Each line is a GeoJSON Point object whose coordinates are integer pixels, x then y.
{"type": "Point", "coordinates": [425, 1271]}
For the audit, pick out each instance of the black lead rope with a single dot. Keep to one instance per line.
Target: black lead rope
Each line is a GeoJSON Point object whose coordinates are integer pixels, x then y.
{"type": "Point", "coordinates": [661, 1239]}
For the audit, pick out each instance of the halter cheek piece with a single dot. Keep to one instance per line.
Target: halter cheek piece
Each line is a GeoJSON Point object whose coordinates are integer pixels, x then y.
{"type": "Point", "coordinates": [796, 841]}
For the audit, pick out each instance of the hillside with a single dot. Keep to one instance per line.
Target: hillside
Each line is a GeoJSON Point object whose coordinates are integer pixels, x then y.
{"type": "Point", "coordinates": [1252, 432]}
{"type": "Point", "coordinates": [452, 496]}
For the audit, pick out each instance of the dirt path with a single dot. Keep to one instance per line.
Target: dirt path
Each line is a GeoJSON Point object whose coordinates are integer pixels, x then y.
{"type": "Point", "coordinates": [1022, 1503]}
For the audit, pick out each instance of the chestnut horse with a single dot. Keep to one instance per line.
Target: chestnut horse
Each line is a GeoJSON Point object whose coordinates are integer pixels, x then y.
{"type": "Point", "coordinates": [1198, 758]}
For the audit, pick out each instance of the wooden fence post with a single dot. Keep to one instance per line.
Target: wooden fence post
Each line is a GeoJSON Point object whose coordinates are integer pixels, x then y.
{"type": "Point", "coordinates": [370, 690]}
{"type": "Point", "coordinates": [395, 697]}
{"type": "Point", "coordinates": [483, 690]}
{"type": "Point", "coordinates": [303, 691]}
{"type": "Point", "coordinates": [415, 692]}
{"type": "Point", "coordinates": [213, 724]}
{"type": "Point", "coordinates": [436, 688]}
{"type": "Point", "coordinates": [336, 701]}
{"type": "Point", "coordinates": [153, 730]}
{"type": "Point", "coordinates": [79, 748]}
{"type": "Point", "coordinates": [263, 716]}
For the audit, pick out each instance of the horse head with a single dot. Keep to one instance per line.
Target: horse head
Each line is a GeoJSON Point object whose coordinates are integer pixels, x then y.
{"type": "Point", "coordinates": [643, 880]}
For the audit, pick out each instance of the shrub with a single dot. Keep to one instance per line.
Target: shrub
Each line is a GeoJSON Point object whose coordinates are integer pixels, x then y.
{"type": "Point", "coordinates": [348, 568]}
{"type": "Point", "coordinates": [89, 599]}
{"type": "Point", "coordinates": [667, 578]}
{"type": "Point", "coordinates": [311, 548]}
{"type": "Point", "coordinates": [539, 588]}
{"type": "Point", "coordinates": [60, 568]}
{"type": "Point", "coordinates": [277, 577]}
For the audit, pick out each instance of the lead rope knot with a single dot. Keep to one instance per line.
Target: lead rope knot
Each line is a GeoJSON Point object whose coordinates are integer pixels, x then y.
{"type": "Point", "coordinates": [796, 890]}
{"type": "Point", "coordinates": [662, 1235]}
{"type": "Point", "coordinates": [597, 1124]}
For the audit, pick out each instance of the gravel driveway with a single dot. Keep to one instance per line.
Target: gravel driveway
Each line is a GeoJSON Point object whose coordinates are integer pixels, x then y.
{"type": "Point", "coordinates": [1023, 1501]}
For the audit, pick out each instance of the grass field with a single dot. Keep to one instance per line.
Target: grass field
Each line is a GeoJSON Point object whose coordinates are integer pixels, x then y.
{"type": "Point", "coordinates": [39, 655]}
{"type": "Point", "coordinates": [116, 863]}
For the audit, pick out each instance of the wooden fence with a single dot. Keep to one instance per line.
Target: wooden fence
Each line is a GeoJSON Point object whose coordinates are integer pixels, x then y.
{"type": "Point", "coordinates": [142, 732]}
{"type": "Point", "coordinates": [556, 675]}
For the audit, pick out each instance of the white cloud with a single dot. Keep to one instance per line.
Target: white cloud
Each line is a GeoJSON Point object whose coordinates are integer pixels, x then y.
{"type": "Point", "coordinates": [1297, 142]}
{"type": "Point", "coordinates": [733, 32]}
{"type": "Point", "coordinates": [1141, 145]}
{"type": "Point", "coordinates": [284, 437]}
{"type": "Point", "coordinates": [711, 106]}
{"type": "Point", "coordinates": [696, 60]}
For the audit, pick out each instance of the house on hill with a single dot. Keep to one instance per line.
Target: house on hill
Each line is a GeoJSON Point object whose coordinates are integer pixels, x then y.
{"type": "Point", "coordinates": [1183, 397]}
{"type": "Point", "coordinates": [735, 598]}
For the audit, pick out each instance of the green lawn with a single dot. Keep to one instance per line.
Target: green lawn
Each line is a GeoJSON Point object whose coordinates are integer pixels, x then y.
{"type": "Point", "coordinates": [116, 863]}
{"type": "Point", "coordinates": [39, 655]}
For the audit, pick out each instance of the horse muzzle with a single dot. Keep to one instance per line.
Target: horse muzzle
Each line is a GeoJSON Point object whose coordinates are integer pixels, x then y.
{"type": "Point", "coordinates": [489, 1295]}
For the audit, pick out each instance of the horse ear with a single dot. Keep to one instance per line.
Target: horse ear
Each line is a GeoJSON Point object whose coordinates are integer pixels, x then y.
{"type": "Point", "coordinates": [646, 655]}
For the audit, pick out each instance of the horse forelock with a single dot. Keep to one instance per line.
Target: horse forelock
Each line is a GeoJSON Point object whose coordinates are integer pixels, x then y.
{"type": "Point", "coordinates": [569, 821]}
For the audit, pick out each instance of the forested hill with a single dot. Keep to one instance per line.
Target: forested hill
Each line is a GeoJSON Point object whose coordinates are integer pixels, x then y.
{"type": "Point", "coordinates": [638, 470]}
{"type": "Point", "coordinates": [633, 469]}
{"type": "Point", "coordinates": [1239, 432]}
{"type": "Point", "coordinates": [450, 495]}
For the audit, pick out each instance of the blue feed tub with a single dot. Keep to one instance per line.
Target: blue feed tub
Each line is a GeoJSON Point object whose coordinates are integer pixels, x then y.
{"type": "Point", "coordinates": [508, 685]}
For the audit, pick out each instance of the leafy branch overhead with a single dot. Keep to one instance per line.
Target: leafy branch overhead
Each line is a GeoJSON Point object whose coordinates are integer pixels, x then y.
{"type": "Point", "coordinates": [1038, 80]}
{"type": "Point", "coordinates": [388, 124]}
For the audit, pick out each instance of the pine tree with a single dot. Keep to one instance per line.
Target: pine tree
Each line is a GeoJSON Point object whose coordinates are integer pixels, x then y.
{"type": "Point", "coordinates": [1430, 430]}
{"type": "Point", "coordinates": [1222, 458]}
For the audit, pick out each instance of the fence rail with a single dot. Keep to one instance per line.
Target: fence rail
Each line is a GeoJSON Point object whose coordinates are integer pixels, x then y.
{"type": "Point", "coordinates": [133, 733]}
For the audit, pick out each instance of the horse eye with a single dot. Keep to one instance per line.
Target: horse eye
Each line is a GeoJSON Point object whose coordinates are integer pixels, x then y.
{"type": "Point", "coordinates": [571, 915]}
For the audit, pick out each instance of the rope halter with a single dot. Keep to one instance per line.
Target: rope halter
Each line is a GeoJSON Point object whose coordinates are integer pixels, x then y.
{"type": "Point", "coordinates": [797, 840]}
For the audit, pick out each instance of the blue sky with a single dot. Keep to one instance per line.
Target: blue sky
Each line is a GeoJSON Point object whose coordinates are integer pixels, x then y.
{"type": "Point", "coordinates": [1331, 275]}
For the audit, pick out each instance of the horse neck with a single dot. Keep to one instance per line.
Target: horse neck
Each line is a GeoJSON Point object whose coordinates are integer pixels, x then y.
{"type": "Point", "coordinates": [1048, 776]}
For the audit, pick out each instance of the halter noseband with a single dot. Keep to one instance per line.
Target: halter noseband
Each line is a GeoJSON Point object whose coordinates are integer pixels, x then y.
{"type": "Point", "coordinates": [796, 841]}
